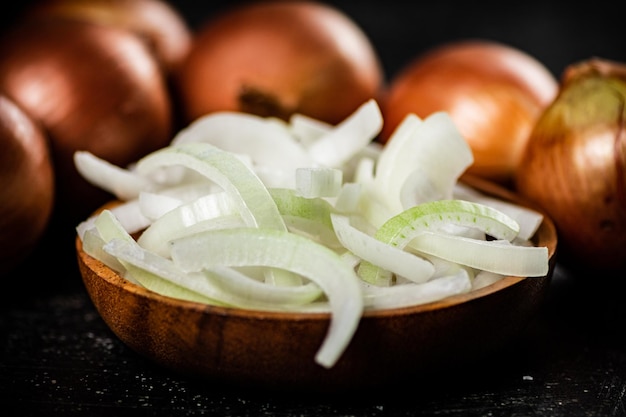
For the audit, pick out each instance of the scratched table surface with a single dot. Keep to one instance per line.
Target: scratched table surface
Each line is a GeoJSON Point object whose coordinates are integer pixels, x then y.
{"type": "Point", "coordinates": [57, 357]}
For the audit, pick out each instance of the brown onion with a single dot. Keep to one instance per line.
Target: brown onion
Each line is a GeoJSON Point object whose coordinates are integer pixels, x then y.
{"type": "Point", "coordinates": [574, 165]}
{"type": "Point", "coordinates": [91, 87]}
{"type": "Point", "coordinates": [157, 22]}
{"type": "Point", "coordinates": [26, 185]}
{"type": "Point", "coordinates": [277, 58]}
{"type": "Point", "coordinates": [493, 92]}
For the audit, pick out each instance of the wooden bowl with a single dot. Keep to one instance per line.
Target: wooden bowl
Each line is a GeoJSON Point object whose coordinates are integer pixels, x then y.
{"type": "Point", "coordinates": [276, 350]}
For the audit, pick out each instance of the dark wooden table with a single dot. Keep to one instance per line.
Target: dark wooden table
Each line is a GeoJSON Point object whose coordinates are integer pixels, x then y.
{"type": "Point", "coordinates": [57, 357]}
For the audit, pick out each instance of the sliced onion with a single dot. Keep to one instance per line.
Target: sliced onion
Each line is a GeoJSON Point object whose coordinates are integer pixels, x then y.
{"type": "Point", "coordinates": [404, 295]}
{"type": "Point", "coordinates": [318, 182]}
{"type": "Point", "coordinates": [381, 254]}
{"type": "Point", "coordinates": [337, 146]}
{"type": "Point", "coordinates": [224, 286]}
{"type": "Point", "coordinates": [279, 249]}
{"type": "Point", "coordinates": [384, 228]}
{"type": "Point", "coordinates": [500, 257]}
{"type": "Point", "coordinates": [255, 204]}
{"type": "Point", "coordinates": [120, 182]}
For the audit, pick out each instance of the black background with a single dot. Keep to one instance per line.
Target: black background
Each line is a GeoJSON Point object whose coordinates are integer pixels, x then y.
{"type": "Point", "coordinates": [58, 358]}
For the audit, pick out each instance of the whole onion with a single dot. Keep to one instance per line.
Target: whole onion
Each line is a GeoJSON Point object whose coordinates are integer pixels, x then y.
{"type": "Point", "coordinates": [156, 22]}
{"type": "Point", "coordinates": [91, 87]}
{"type": "Point", "coordinates": [26, 185]}
{"type": "Point", "coordinates": [278, 58]}
{"type": "Point", "coordinates": [574, 165]}
{"type": "Point", "coordinates": [493, 92]}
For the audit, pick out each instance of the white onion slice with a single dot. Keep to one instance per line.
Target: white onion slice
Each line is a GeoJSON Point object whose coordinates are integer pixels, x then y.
{"type": "Point", "coordinates": [500, 257]}
{"type": "Point", "coordinates": [528, 219]}
{"type": "Point", "coordinates": [399, 230]}
{"type": "Point", "coordinates": [223, 286]}
{"type": "Point", "coordinates": [268, 143]}
{"type": "Point", "coordinates": [318, 182]}
{"type": "Point", "coordinates": [252, 212]}
{"type": "Point", "coordinates": [174, 222]}
{"type": "Point", "coordinates": [255, 204]}
{"type": "Point", "coordinates": [122, 183]}
{"type": "Point", "coordinates": [349, 137]}
{"type": "Point", "coordinates": [405, 295]}
{"type": "Point", "coordinates": [278, 249]}
{"type": "Point", "coordinates": [381, 254]}
{"type": "Point", "coordinates": [435, 147]}
{"type": "Point", "coordinates": [307, 129]}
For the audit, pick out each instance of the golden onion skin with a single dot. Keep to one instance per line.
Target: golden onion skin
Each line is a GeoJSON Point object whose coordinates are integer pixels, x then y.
{"type": "Point", "coordinates": [278, 58]}
{"type": "Point", "coordinates": [494, 93]}
{"type": "Point", "coordinates": [156, 22]}
{"type": "Point", "coordinates": [26, 185]}
{"type": "Point", "coordinates": [91, 87]}
{"type": "Point", "coordinates": [574, 165]}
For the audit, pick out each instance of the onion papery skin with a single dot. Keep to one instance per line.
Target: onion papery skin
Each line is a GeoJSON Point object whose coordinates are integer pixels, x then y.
{"type": "Point", "coordinates": [279, 58]}
{"type": "Point", "coordinates": [575, 164]}
{"type": "Point", "coordinates": [26, 185]}
{"type": "Point", "coordinates": [91, 87]}
{"type": "Point", "coordinates": [156, 22]}
{"type": "Point", "coordinates": [493, 92]}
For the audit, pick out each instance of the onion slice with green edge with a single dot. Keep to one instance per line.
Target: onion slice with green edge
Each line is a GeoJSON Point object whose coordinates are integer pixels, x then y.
{"type": "Point", "coordinates": [174, 223]}
{"type": "Point", "coordinates": [225, 286]}
{"type": "Point", "coordinates": [248, 134]}
{"type": "Point", "coordinates": [253, 201]}
{"type": "Point", "coordinates": [402, 228]}
{"type": "Point", "coordinates": [93, 245]}
{"type": "Point", "coordinates": [254, 213]}
{"type": "Point", "coordinates": [381, 254]}
{"type": "Point", "coordinates": [251, 197]}
{"type": "Point", "coordinates": [279, 249]}
{"type": "Point", "coordinates": [306, 216]}
{"type": "Point", "coordinates": [528, 219]}
{"type": "Point", "coordinates": [498, 256]}
{"type": "Point", "coordinates": [109, 228]}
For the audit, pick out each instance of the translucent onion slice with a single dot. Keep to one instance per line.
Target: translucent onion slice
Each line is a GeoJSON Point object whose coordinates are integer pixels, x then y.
{"type": "Point", "coordinates": [109, 229]}
{"type": "Point", "coordinates": [154, 205]}
{"type": "Point", "coordinates": [267, 142]}
{"type": "Point", "coordinates": [318, 182]}
{"type": "Point", "coordinates": [93, 246]}
{"type": "Point", "coordinates": [349, 137]}
{"type": "Point", "coordinates": [529, 220]}
{"type": "Point", "coordinates": [224, 286]}
{"type": "Point", "coordinates": [432, 146]}
{"type": "Point", "coordinates": [381, 254]}
{"type": "Point", "coordinates": [173, 223]}
{"type": "Point", "coordinates": [253, 200]}
{"type": "Point", "coordinates": [307, 129]}
{"type": "Point", "coordinates": [306, 216]}
{"type": "Point", "coordinates": [122, 183]}
{"type": "Point", "coordinates": [279, 249]}
{"type": "Point", "coordinates": [435, 214]}
{"type": "Point", "coordinates": [399, 230]}
{"type": "Point", "coordinates": [251, 197]}
{"type": "Point", "coordinates": [500, 257]}
{"type": "Point", "coordinates": [404, 295]}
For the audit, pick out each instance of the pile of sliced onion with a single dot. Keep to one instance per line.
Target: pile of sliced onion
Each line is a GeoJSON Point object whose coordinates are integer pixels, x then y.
{"type": "Point", "coordinates": [301, 216]}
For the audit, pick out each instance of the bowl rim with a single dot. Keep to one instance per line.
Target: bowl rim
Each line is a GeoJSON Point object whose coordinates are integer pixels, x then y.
{"type": "Point", "coordinates": [547, 225]}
